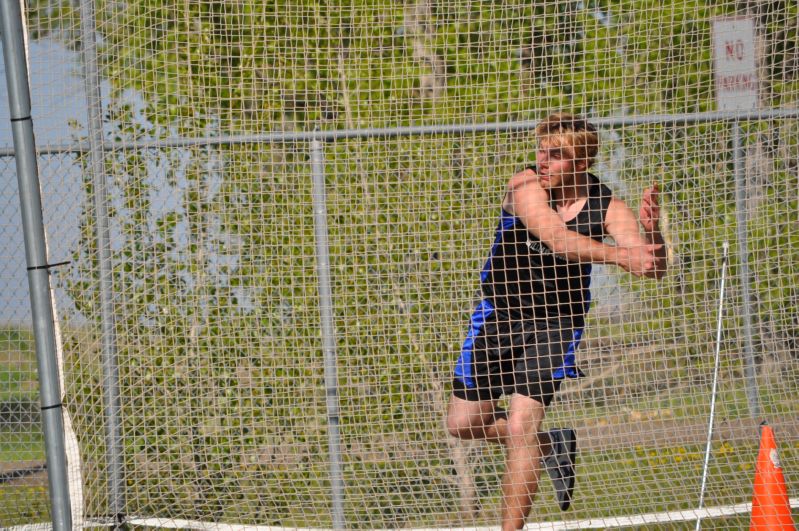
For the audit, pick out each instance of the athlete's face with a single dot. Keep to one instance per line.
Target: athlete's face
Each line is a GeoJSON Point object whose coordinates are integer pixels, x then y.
{"type": "Point", "coordinates": [555, 164]}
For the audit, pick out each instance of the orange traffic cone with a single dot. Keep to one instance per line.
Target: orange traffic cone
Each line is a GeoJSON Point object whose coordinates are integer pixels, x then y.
{"type": "Point", "coordinates": [770, 506]}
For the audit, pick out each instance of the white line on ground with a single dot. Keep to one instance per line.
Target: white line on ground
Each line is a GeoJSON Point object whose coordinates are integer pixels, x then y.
{"type": "Point", "coordinates": [593, 523]}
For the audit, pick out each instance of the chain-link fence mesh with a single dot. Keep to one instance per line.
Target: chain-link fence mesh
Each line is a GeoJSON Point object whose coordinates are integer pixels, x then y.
{"type": "Point", "coordinates": [222, 374]}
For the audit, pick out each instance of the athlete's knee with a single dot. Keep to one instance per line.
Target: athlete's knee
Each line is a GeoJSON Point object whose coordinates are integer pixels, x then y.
{"type": "Point", "coordinates": [522, 430]}
{"type": "Point", "coordinates": [460, 425]}
{"type": "Point", "coordinates": [459, 432]}
{"type": "Point", "coordinates": [523, 427]}
{"type": "Point", "coordinates": [466, 420]}
{"type": "Point", "coordinates": [452, 425]}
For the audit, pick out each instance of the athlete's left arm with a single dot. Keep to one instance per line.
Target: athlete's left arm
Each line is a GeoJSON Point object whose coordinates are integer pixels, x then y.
{"type": "Point", "coordinates": [621, 225]}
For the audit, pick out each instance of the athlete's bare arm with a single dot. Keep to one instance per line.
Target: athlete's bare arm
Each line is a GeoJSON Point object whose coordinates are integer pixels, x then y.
{"type": "Point", "coordinates": [621, 225]}
{"type": "Point", "coordinates": [528, 201]}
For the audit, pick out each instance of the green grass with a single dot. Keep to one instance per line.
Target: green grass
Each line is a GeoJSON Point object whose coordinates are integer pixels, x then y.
{"type": "Point", "coordinates": [640, 481]}
{"type": "Point", "coordinates": [17, 345]}
{"type": "Point", "coordinates": [16, 445]}
{"type": "Point", "coordinates": [18, 377]}
{"type": "Point", "coordinates": [615, 483]}
{"type": "Point", "coordinates": [776, 401]}
{"type": "Point", "coordinates": [18, 390]}
{"type": "Point", "coordinates": [20, 443]}
{"type": "Point", "coordinates": [21, 505]}
{"type": "Point", "coordinates": [17, 386]}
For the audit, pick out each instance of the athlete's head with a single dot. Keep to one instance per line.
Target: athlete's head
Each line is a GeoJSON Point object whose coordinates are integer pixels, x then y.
{"type": "Point", "coordinates": [570, 137]}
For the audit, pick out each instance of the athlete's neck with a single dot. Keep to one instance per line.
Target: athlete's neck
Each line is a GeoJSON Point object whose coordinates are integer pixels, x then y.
{"type": "Point", "coordinates": [570, 190]}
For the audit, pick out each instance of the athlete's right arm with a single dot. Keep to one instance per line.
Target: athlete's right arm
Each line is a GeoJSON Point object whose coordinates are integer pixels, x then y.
{"type": "Point", "coordinates": [528, 201]}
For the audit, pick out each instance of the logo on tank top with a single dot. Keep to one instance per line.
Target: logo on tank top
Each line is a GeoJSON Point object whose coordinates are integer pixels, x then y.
{"type": "Point", "coordinates": [539, 248]}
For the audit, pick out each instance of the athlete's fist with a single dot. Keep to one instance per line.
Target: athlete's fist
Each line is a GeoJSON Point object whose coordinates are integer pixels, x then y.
{"type": "Point", "coordinates": [640, 260]}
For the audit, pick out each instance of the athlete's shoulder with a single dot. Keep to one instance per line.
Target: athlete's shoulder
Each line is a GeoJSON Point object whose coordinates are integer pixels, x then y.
{"type": "Point", "coordinates": [527, 178]}
{"type": "Point", "coordinates": [523, 186]}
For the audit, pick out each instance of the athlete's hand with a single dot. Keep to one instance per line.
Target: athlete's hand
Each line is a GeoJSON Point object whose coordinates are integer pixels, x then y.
{"type": "Point", "coordinates": [649, 213]}
{"type": "Point", "coordinates": [639, 260]}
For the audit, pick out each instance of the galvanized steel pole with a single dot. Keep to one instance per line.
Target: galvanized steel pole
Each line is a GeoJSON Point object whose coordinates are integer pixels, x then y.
{"type": "Point", "coordinates": [96, 167]}
{"type": "Point", "coordinates": [328, 331]}
{"type": "Point", "coordinates": [36, 257]}
{"type": "Point", "coordinates": [742, 219]}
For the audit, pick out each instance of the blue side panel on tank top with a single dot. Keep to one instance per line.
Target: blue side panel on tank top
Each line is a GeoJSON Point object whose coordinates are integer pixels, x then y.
{"type": "Point", "coordinates": [506, 222]}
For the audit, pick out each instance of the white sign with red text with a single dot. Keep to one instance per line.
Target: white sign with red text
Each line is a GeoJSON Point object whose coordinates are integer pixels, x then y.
{"type": "Point", "coordinates": [735, 64]}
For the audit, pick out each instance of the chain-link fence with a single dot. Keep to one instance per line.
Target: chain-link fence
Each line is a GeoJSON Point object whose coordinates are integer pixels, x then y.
{"type": "Point", "coordinates": [299, 201]}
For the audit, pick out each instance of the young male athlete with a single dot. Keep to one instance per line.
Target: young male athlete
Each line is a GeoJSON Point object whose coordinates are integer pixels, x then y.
{"type": "Point", "coordinates": [535, 284]}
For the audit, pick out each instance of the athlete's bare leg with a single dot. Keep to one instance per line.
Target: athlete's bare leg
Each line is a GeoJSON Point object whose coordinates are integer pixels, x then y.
{"type": "Point", "coordinates": [468, 419]}
{"type": "Point", "coordinates": [482, 420]}
{"type": "Point", "coordinates": [524, 451]}
{"type": "Point", "coordinates": [517, 429]}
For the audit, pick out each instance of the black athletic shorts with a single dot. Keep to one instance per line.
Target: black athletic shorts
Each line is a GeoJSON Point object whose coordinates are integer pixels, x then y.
{"type": "Point", "coordinates": [505, 355]}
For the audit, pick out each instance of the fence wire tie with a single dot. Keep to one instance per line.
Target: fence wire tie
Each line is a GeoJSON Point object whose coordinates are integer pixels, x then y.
{"type": "Point", "coordinates": [48, 266]}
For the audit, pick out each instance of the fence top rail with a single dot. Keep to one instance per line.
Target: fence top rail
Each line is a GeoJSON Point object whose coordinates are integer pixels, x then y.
{"type": "Point", "coordinates": [425, 130]}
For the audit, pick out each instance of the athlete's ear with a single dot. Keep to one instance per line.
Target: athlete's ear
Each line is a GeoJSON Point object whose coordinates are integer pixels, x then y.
{"type": "Point", "coordinates": [581, 165]}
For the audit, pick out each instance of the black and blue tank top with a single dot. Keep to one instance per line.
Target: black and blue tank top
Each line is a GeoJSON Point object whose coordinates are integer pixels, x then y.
{"type": "Point", "coordinates": [523, 276]}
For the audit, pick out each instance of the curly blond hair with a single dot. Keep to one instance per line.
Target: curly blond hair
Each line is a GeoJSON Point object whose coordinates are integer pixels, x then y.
{"type": "Point", "coordinates": [562, 129]}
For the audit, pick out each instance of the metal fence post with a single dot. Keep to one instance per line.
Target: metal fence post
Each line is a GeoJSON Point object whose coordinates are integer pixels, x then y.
{"type": "Point", "coordinates": [328, 331]}
{"type": "Point", "coordinates": [96, 166]}
{"type": "Point", "coordinates": [36, 257]}
{"type": "Point", "coordinates": [742, 219]}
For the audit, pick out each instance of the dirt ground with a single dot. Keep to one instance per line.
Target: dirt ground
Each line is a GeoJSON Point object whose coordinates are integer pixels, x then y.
{"type": "Point", "coordinates": [605, 435]}
{"type": "Point", "coordinates": [23, 473]}
{"type": "Point", "coordinates": [618, 434]}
